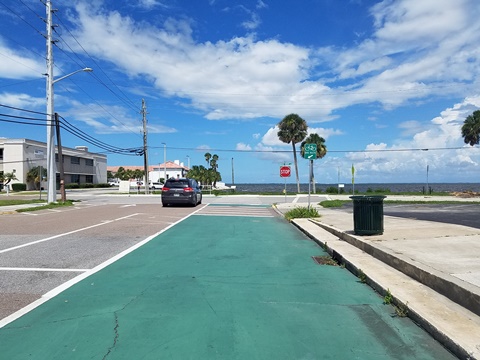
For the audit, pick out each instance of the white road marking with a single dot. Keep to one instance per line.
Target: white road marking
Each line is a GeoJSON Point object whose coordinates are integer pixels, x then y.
{"type": "Point", "coordinates": [54, 292]}
{"type": "Point", "coordinates": [41, 269]}
{"type": "Point", "coordinates": [67, 233]}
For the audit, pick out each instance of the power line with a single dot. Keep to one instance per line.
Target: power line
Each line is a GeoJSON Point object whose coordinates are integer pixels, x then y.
{"type": "Point", "coordinates": [24, 120]}
{"type": "Point", "coordinates": [124, 99]}
{"type": "Point", "coordinates": [329, 151]}
{"type": "Point", "coordinates": [21, 18]}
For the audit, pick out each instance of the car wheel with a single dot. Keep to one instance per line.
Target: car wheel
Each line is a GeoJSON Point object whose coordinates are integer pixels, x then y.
{"type": "Point", "coordinates": [164, 204]}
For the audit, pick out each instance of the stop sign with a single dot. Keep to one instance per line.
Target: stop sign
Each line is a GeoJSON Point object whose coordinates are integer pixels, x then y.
{"type": "Point", "coordinates": [284, 171]}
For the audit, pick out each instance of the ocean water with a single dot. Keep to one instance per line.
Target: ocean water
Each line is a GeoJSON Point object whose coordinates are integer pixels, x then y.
{"type": "Point", "coordinates": [362, 188]}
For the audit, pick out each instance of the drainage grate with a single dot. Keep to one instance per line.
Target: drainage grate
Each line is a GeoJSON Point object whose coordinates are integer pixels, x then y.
{"type": "Point", "coordinates": [324, 260]}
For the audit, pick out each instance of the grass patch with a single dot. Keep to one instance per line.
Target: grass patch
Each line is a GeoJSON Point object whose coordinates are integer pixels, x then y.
{"type": "Point", "coordinates": [301, 213]}
{"type": "Point", "coordinates": [19, 202]}
{"type": "Point", "coordinates": [340, 203]}
{"type": "Point", "coordinates": [423, 202]}
{"type": "Point", "coordinates": [334, 203]}
{"type": "Point", "coordinates": [47, 206]}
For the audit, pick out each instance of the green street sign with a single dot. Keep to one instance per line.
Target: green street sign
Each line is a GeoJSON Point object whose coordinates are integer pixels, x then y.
{"type": "Point", "coordinates": [310, 151]}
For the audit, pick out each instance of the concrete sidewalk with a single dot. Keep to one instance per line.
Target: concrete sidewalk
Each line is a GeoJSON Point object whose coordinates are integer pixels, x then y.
{"type": "Point", "coordinates": [431, 269]}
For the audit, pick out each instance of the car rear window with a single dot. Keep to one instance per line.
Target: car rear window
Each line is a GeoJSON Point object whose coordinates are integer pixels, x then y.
{"type": "Point", "coordinates": [176, 183]}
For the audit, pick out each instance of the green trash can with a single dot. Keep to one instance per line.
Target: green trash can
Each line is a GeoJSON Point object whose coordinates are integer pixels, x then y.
{"type": "Point", "coordinates": [368, 214]}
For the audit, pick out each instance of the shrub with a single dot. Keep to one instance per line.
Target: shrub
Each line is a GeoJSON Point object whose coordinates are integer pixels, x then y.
{"type": "Point", "coordinates": [331, 190]}
{"type": "Point", "coordinates": [301, 212]}
{"type": "Point", "coordinates": [19, 187]}
{"type": "Point", "coordinates": [72, 186]}
{"type": "Point", "coordinates": [380, 190]}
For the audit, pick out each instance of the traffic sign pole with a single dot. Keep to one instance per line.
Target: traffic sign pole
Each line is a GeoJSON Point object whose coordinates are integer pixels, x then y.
{"type": "Point", "coordinates": [285, 172]}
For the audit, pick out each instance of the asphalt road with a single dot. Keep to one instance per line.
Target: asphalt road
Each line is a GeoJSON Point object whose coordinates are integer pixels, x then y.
{"type": "Point", "coordinates": [460, 214]}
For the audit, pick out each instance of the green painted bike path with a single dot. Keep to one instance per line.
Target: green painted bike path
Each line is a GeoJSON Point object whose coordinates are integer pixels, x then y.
{"type": "Point", "coordinates": [218, 288]}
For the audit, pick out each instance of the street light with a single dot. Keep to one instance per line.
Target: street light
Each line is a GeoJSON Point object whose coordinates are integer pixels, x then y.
{"type": "Point", "coordinates": [164, 162]}
{"type": "Point", "coordinates": [51, 168]}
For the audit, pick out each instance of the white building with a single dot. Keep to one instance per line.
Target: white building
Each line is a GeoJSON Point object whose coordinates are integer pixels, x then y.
{"type": "Point", "coordinates": [158, 172]}
{"type": "Point", "coordinates": [80, 166]}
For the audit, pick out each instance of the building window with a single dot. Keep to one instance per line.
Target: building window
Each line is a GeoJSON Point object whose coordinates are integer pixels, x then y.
{"type": "Point", "coordinates": [56, 158]}
{"type": "Point", "coordinates": [89, 179]}
{"type": "Point", "coordinates": [75, 178]}
{"type": "Point", "coordinates": [89, 162]}
{"type": "Point", "coordinates": [1, 154]}
{"type": "Point", "coordinates": [75, 160]}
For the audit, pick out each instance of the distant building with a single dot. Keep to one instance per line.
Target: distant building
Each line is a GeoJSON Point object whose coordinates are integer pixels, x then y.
{"type": "Point", "coordinates": [156, 172]}
{"type": "Point", "coordinates": [80, 166]}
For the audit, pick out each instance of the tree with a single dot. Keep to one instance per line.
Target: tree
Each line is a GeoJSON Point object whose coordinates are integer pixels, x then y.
{"type": "Point", "coordinates": [34, 175]}
{"type": "Point", "coordinates": [122, 174]}
{"type": "Point", "coordinates": [214, 166]}
{"type": "Point", "coordinates": [6, 178]}
{"type": "Point", "coordinates": [321, 149]}
{"type": "Point", "coordinates": [199, 173]}
{"type": "Point", "coordinates": [293, 129]}
{"type": "Point", "coordinates": [211, 175]}
{"type": "Point", "coordinates": [471, 129]}
{"type": "Point", "coordinates": [138, 174]}
{"type": "Point", "coordinates": [208, 156]}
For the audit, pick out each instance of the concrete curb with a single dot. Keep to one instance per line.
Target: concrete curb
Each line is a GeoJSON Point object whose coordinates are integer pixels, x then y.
{"type": "Point", "coordinates": [426, 307]}
{"type": "Point", "coordinates": [441, 283]}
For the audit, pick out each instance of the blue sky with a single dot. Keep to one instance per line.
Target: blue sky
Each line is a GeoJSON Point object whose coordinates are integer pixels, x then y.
{"type": "Point", "coordinates": [379, 80]}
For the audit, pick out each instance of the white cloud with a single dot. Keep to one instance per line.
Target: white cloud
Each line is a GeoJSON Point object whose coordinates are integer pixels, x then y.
{"type": "Point", "coordinates": [119, 121]}
{"type": "Point", "coordinates": [22, 101]}
{"type": "Point", "coordinates": [325, 133]}
{"type": "Point", "coordinates": [19, 65]}
{"type": "Point", "coordinates": [443, 150]}
{"type": "Point", "coordinates": [271, 138]}
{"type": "Point", "coordinates": [246, 78]}
{"type": "Point", "coordinates": [243, 147]}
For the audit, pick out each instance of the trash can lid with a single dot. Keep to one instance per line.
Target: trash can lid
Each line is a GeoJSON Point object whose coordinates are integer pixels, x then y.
{"type": "Point", "coordinates": [368, 197]}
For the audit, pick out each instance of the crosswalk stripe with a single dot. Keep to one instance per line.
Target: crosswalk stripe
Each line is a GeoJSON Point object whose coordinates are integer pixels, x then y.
{"type": "Point", "coordinates": [235, 211]}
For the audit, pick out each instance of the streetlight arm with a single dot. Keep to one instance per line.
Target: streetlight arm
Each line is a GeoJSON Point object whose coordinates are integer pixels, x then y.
{"type": "Point", "coordinates": [73, 73]}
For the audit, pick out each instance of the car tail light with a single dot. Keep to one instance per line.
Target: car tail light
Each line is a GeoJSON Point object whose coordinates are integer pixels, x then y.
{"type": "Point", "coordinates": [165, 189]}
{"type": "Point", "coordinates": [188, 189]}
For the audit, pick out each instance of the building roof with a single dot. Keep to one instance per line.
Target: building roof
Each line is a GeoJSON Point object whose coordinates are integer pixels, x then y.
{"type": "Point", "coordinates": [169, 165]}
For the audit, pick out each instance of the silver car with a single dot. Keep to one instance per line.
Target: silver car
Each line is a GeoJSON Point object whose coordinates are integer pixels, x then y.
{"type": "Point", "coordinates": [181, 191]}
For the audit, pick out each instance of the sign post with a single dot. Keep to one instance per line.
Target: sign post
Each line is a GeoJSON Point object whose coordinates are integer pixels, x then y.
{"type": "Point", "coordinates": [310, 153]}
{"type": "Point", "coordinates": [285, 172]}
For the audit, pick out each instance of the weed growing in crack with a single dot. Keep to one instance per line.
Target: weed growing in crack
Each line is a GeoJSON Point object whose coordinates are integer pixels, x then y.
{"type": "Point", "coordinates": [388, 299]}
{"type": "Point", "coordinates": [362, 276]}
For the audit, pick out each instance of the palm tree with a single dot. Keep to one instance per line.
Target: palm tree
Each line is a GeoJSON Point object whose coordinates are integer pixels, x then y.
{"type": "Point", "coordinates": [321, 149]}
{"type": "Point", "coordinates": [6, 178]}
{"type": "Point", "coordinates": [214, 166]}
{"type": "Point", "coordinates": [471, 128]}
{"type": "Point", "coordinates": [293, 129]}
{"type": "Point", "coordinates": [34, 175]}
{"type": "Point", "coordinates": [199, 173]}
{"type": "Point", "coordinates": [208, 156]}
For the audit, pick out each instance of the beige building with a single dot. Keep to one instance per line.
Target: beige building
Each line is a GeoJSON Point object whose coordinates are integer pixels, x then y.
{"type": "Point", "coordinates": [80, 166]}
{"type": "Point", "coordinates": [156, 172]}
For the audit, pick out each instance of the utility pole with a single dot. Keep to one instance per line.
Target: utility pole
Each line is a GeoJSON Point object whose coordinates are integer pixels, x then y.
{"type": "Point", "coordinates": [51, 168]}
{"type": "Point", "coordinates": [233, 175]}
{"type": "Point", "coordinates": [60, 160]}
{"type": "Point", "coordinates": [145, 149]}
